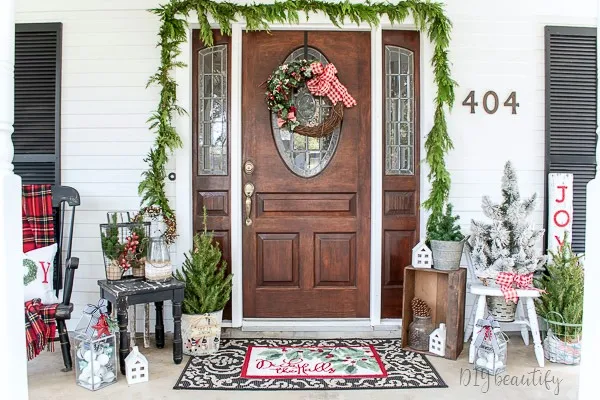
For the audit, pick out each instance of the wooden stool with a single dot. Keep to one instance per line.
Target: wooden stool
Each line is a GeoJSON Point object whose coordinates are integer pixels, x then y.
{"type": "Point", "coordinates": [124, 293]}
{"type": "Point", "coordinates": [526, 318]}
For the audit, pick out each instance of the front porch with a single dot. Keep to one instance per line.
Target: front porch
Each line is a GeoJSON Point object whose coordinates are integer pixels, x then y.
{"type": "Point", "coordinates": [105, 137]}
{"type": "Point", "coordinates": [523, 380]}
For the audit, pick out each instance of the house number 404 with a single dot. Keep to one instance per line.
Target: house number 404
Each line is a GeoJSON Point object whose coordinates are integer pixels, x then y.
{"type": "Point", "coordinates": [490, 102]}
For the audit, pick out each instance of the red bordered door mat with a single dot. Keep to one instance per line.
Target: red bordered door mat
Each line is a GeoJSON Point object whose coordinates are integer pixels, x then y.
{"type": "Point", "coordinates": [272, 362]}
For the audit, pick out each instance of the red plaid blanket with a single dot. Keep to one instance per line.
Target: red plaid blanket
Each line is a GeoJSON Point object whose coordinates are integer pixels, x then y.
{"type": "Point", "coordinates": [40, 327]}
{"type": "Point", "coordinates": [38, 223]}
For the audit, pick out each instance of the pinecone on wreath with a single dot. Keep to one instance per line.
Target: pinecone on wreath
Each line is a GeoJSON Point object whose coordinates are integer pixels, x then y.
{"type": "Point", "coordinates": [420, 308]}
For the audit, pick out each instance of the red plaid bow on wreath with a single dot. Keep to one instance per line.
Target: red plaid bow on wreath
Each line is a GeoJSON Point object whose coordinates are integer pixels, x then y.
{"type": "Point", "coordinates": [325, 83]}
{"type": "Point", "coordinates": [511, 281]}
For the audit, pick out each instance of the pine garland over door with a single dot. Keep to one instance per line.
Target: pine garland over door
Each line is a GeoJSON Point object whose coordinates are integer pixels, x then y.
{"type": "Point", "coordinates": [429, 17]}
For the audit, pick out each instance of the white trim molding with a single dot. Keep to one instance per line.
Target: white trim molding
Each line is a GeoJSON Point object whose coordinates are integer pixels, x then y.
{"type": "Point", "coordinates": [235, 145]}
{"type": "Point", "coordinates": [12, 334]}
{"type": "Point", "coordinates": [377, 153]}
{"type": "Point", "coordinates": [183, 155]}
{"type": "Point", "coordinates": [591, 323]}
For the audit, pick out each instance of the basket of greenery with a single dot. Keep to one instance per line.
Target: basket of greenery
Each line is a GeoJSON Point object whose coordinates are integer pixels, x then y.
{"type": "Point", "coordinates": [446, 240]}
{"type": "Point", "coordinates": [124, 247]}
{"type": "Point", "coordinates": [561, 305]}
{"type": "Point", "coordinates": [207, 291]}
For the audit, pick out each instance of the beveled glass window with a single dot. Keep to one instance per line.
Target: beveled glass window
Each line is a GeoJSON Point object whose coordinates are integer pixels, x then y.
{"type": "Point", "coordinates": [399, 111]}
{"type": "Point", "coordinates": [212, 110]}
{"type": "Point", "coordinates": [306, 156]}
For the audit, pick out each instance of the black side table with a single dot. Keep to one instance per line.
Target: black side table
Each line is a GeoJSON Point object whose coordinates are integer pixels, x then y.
{"type": "Point", "coordinates": [126, 293]}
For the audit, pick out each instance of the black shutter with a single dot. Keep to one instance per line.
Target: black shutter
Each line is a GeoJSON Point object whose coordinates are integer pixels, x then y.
{"type": "Point", "coordinates": [36, 138]}
{"type": "Point", "coordinates": [571, 113]}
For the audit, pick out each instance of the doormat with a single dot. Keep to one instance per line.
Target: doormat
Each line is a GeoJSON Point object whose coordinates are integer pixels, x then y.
{"type": "Point", "coordinates": [278, 364]}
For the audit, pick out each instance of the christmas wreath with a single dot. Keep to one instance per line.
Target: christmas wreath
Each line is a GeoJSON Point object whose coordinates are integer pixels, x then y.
{"type": "Point", "coordinates": [155, 213]}
{"type": "Point", "coordinates": [321, 80]}
{"type": "Point", "coordinates": [31, 272]}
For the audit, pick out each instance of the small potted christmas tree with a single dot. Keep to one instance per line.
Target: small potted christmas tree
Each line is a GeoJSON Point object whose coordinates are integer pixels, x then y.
{"type": "Point", "coordinates": [207, 291]}
{"type": "Point", "coordinates": [446, 240]}
{"type": "Point", "coordinates": [561, 305]}
{"type": "Point", "coordinates": [507, 244]}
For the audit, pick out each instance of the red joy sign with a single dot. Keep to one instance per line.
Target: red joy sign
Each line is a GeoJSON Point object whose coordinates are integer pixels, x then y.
{"type": "Point", "coordinates": [560, 209]}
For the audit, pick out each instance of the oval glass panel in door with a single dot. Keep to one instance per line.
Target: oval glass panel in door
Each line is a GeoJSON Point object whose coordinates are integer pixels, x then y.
{"type": "Point", "coordinates": [306, 156]}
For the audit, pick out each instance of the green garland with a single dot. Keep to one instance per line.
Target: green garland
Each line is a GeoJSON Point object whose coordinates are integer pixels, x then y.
{"type": "Point", "coordinates": [428, 16]}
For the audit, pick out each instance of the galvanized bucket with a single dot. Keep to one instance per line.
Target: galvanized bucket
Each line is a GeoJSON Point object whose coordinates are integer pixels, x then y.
{"type": "Point", "coordinates": [500, 309]}
{"type": "Point", "coordinates": [446, 255]}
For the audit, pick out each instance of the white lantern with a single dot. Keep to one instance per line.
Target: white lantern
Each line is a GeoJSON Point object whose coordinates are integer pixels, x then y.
{"type": "Point", "coordinates": [95, 360]}
{"type": "Point", "coordinates": [490, 347]}
{"type": "Point", "coordinates": [136, 367]}
{"type": "Point", "coordinates": [421, 256]}
{"type": "Point", "coordinates": [437, 341]}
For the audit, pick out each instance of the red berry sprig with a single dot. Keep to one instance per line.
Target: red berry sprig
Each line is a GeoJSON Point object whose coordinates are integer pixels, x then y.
{"type": "Point", "coordinates": [129, 251]}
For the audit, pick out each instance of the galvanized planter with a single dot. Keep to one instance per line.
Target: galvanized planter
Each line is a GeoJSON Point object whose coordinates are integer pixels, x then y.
{"type": "Point", "coordinates": [500, 309]}
{"type": "Point", "coordinates": [446, 255]}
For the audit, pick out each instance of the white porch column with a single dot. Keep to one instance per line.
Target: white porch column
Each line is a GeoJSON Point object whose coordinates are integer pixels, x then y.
{"type": "Point", "coordinates": [12, 332]}
{"type": "Point", "coordinates": [588, 375]}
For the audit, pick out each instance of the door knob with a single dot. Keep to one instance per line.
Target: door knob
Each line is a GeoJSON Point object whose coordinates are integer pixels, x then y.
{"type": "Point", "coordinates": [248, 191]}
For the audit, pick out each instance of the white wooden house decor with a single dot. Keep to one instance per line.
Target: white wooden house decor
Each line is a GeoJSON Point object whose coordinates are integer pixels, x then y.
{"type": "Point", "coordinates": [421, 256]}
{"type": "Point", "coordinates": [437, 341]}
{"type": "Point", "coordinates": [136, 367]}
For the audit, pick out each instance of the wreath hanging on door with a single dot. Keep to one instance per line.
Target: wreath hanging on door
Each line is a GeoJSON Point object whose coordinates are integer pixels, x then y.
{"type": "Point", "coordinates": [321, 80]}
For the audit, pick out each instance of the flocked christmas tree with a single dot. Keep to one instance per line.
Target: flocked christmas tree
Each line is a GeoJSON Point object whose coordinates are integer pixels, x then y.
{"type": "Point", "coordinates": [207, 283]}
{"type": "Point", "coordinates": [508, 243]}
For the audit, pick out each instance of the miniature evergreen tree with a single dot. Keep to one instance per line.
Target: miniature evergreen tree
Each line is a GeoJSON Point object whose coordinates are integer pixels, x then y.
{"type": "Point", "coordinates": [562, 299]}
{"type": "Point", "coordinates": [207, 284]}
{"type": "Point", "coordinates": [508, 243]}
{"type": "Point", "coordinates": [444, 227]}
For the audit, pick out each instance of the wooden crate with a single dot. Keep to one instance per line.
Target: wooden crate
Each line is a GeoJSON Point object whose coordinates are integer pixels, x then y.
{"type": "Point", "coordinates": [444, 292]}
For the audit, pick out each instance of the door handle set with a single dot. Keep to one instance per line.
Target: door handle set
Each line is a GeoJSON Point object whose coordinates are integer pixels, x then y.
{"type": "Point", "coordinates": [248, 191]}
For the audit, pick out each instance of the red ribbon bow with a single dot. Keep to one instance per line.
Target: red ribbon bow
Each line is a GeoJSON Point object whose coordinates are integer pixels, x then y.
{"type": "Point", "coordinates": [510, 281]}
{"type": "Point", "coordinates": [488, 332]}
{"type": "Point", "coordinates": [102, 326]}
{"type": "Point", "coordinates": [325, 83]}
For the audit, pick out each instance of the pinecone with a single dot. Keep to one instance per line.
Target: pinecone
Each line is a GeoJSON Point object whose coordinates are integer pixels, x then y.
{"type": "Point", "coordinates": [420, 308]}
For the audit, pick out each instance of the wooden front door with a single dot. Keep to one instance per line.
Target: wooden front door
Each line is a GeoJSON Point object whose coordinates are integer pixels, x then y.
{"type": "Point", "coordinates": [306, 252]}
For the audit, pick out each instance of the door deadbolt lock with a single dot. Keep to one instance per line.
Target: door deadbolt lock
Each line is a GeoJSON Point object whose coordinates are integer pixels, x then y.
{"type": "Point", "coordinates": [248, 167]}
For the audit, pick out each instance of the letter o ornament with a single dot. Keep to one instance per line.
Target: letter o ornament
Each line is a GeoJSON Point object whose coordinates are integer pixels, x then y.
{"type": "Point", "coordinates": [556, 218]}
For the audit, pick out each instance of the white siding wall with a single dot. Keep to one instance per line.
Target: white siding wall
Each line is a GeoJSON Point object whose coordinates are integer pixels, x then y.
{"type": "Point", "coordinates": [109, 52]}
{"type": "Point", "coordinates": [499, 46]}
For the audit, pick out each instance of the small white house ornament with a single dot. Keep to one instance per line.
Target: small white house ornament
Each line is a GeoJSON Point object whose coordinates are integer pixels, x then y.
{"type": "Point", "coordinates": [421, 256]}
{"type": "Point", "coordinates": [437, 341]}
{"type": "Point", "coordinates": [136, 367]}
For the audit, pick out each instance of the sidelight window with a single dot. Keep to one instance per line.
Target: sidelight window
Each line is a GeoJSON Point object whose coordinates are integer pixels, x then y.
{"type": "Point", "coordinates": [399, 111]}
{"type": "Point", "coordinates": [212, 110]}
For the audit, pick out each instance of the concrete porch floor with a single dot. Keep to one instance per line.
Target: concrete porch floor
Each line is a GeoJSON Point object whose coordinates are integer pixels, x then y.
{"type": "Point", "coordinates": [47, 382]}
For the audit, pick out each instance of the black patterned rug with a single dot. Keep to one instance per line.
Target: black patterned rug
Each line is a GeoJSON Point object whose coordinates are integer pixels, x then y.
{"type": "Point", "coordinates": [281, 364]}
